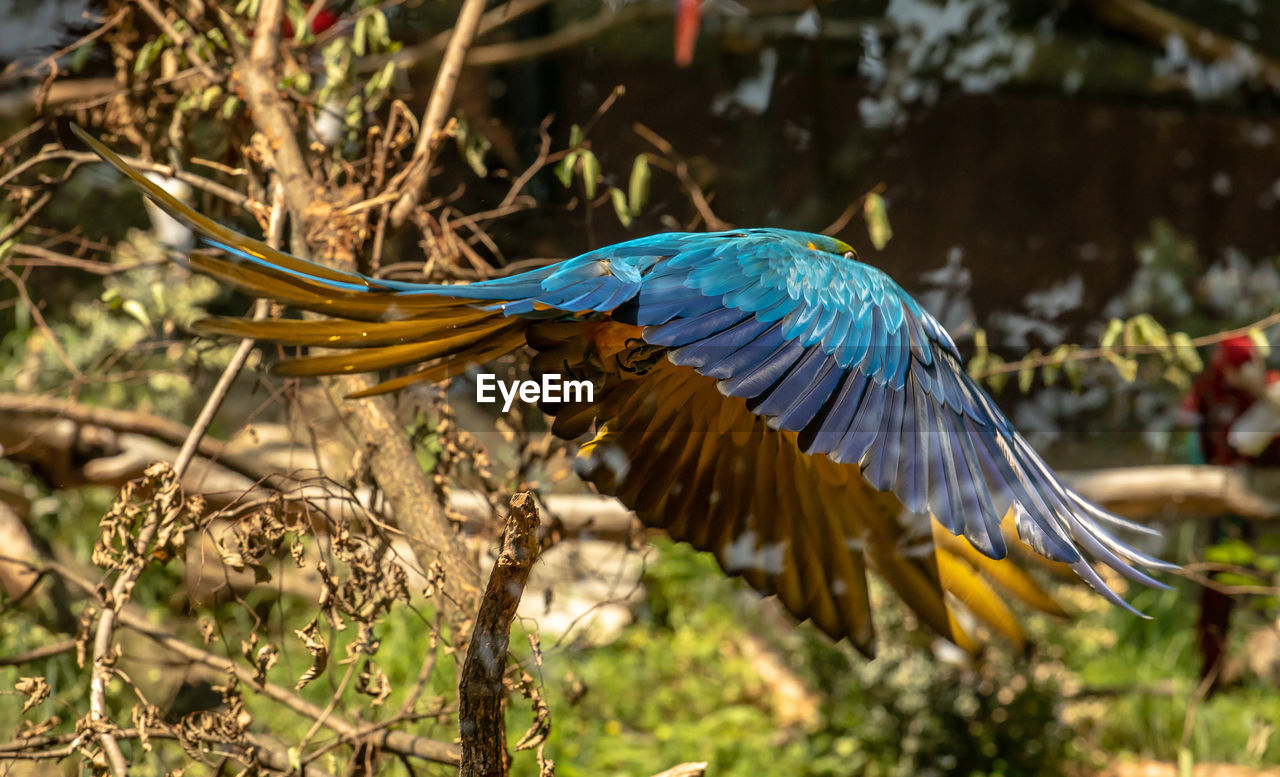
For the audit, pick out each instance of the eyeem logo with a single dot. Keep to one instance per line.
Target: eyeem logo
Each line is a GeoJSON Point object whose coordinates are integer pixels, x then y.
{"type": "Point", "coordinates": [551, 388]}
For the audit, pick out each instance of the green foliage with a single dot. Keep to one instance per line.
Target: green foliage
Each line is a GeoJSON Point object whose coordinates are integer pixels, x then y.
{"type": "Point", "coordinates": [1137, 677]}
{"type": "Point", "coordinates": [1137, 345]}
{"type": "Point", "coordinates": [128, 325]}
{"type": "Point", "coordinates": [678, 687]}
{"type": "Point", "coordinates": [579, 161]}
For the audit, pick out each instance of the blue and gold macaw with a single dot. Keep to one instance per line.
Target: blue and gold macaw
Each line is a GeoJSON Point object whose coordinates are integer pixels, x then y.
{"type": "Point", "coordinates": [759, 393]}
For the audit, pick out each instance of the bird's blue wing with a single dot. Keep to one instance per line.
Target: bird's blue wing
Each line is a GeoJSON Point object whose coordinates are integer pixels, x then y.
{"type": "Point", "coordinates": [833, 349]}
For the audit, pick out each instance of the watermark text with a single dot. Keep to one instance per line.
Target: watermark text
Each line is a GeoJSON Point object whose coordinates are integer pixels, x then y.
{"type": "Point", "coordinates": [551, 388]}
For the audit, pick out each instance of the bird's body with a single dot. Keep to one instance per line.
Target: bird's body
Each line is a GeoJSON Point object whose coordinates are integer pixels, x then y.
{"type": "Point", "coordinates": [759, 393]}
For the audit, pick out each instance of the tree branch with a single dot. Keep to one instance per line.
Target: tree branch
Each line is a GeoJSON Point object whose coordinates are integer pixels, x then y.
{"type": "Point", "coordinates": [270, 116]}
{"type": "Point", "coordinates": [1155, 25]}
{"type": "Point", "coordinates": [437, 110]}
{"type": "Point", "coordinates": [372, 421]}
{"type": "Point", "coordinates": [480, 690]}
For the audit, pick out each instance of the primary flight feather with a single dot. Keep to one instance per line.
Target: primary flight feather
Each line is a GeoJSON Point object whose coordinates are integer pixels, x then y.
{"type": "Point", "coordinates": [759, 393]}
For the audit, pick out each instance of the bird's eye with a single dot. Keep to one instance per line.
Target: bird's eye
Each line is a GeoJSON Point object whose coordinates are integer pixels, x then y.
{"type": "Point", "coordinates": [851, 255]}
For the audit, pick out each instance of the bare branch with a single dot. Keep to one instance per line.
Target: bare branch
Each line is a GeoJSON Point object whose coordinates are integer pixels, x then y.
{"type": "Point", "coordinates": [480, 690]}
{"type": "Point", "coordinates": [690, 769]}
{"type": "Point", "coordinates": [77, 157]}
{"type": "Point", "coordinates": [411, 56]}
{"type": "Point", "coordinates": [437, 109]}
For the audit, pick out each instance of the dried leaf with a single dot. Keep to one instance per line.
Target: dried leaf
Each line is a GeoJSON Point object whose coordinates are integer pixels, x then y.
{"type": "Point", "coordinates": [36, 689]}
{"type": "Point", "coordinates": [319, 650]}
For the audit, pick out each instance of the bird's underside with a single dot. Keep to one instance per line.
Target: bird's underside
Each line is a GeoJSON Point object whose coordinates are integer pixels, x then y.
{"type": "Point", "coordinates": [702, 467]}
{"type": "Point", "coordinates": [728, 413]}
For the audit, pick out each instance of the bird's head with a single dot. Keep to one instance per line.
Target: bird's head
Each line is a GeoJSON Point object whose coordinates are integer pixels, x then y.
{"type": "Point", "coordinates": [825, 243]}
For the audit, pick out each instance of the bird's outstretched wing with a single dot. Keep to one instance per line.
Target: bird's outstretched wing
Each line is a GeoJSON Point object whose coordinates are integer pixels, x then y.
{"type": "Point", "coordinates": [832, 349]}
{"type": "Point", "coordinates": [756, 385]}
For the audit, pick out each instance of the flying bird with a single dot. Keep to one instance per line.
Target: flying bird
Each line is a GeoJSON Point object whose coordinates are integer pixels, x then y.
{"type": "Point", "coordinates": [758, 393]}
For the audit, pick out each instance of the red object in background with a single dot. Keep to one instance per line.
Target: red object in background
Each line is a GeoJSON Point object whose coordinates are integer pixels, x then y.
{"type": "Point", "coordinates": [688, 17]}
{"type": "Point", "coordinates": [323, 21]}
{"type": "Point", "coordinates": [1218, 399]}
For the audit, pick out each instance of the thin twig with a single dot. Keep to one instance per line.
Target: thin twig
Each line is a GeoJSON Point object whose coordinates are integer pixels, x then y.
{"type": "Point", "coordinates": [567, 37]}
{"type": "Point", "coordinates": [40, 653]}
{"type": "Point", "coordinates": [424, 672]}
{"type": "Point", "coordinates": [78, 157]}
{"type": "Point", "coordinates": [1156, 25]}
{"type": "Point", "coordinates": [257, 75]}
{"type": "Point", "coordinates": [178, 38]}
{"type": "Point", "coordinates": [437, 110]}
{"type": "Point", "coordinates": [677, 165]}
{"type": "Point", "coordinates": [17, 224]}
{"type": "Point", "coordinates": [411, 56]}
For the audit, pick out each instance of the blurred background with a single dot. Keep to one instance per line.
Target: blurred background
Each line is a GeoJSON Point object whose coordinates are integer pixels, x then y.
{"type": "Point", "coordinates": [1041, 174]}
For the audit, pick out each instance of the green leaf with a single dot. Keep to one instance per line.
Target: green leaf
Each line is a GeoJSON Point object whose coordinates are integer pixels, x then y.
{"type": "Point", "coordinates": [1178, 377]}
{"type": "Point", "coordinates": [378, 29]}
{"type": "Point", "coordinates": [1260, 341]}
{"type": "Point", "coordinates": [575, 136]}
{"type": "Point", "coordinates": [638, 190]}
{"type": "Point", "coordinates": [1186, 351]}
{"type": "Point", "coordinates": [564, 170]}
{"type": "Point", "coordinates": [1230, 552]}
{"type": "Point", "coordinates": [1132, 333]}
{"type": "Point", "coordinates": [1128, 368]}
{"type": "Point", "coordinates": [136, 311]}
{"type": "Point", "coordinates": [1027, 375]}
{"type": "Point", "coordinates": [230, 106]}
{"type": "Point", "coordinates": [387, 76]}
{"type": "Point", "coordinates": [80, 56]}
{"type": "Point", "coordinates": [473, 146]}
{"type": "Point", "coordinates": [620, 205]}
{"type": "Point", "coordinates": [208, 96]}
{"type": "Point", "coordinates": [978, 364]}
{"type": "Point", "coordinates": [215, 36]}
{"type": "Point", "coordinates": [1115, 328]}
{"type": "Point", "coordinates": [353, 113]}
{"type": "Point", "coordinates": [590, 174]}
{"type": "Point", "coordinates": [996, 380]}
{"type": "Point", "coordinates": [1049, 373]}
{"type": "Point", "coordinates": [358, 35]}
{"type": "Point", "coordinates": [147, 55]}
{"type": "Point", "coordinates": [1151, 331]}
{"type": "Point", "coordinates": [1074, 372]}
{"type": "Point", "coordinates": [876, 213]}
